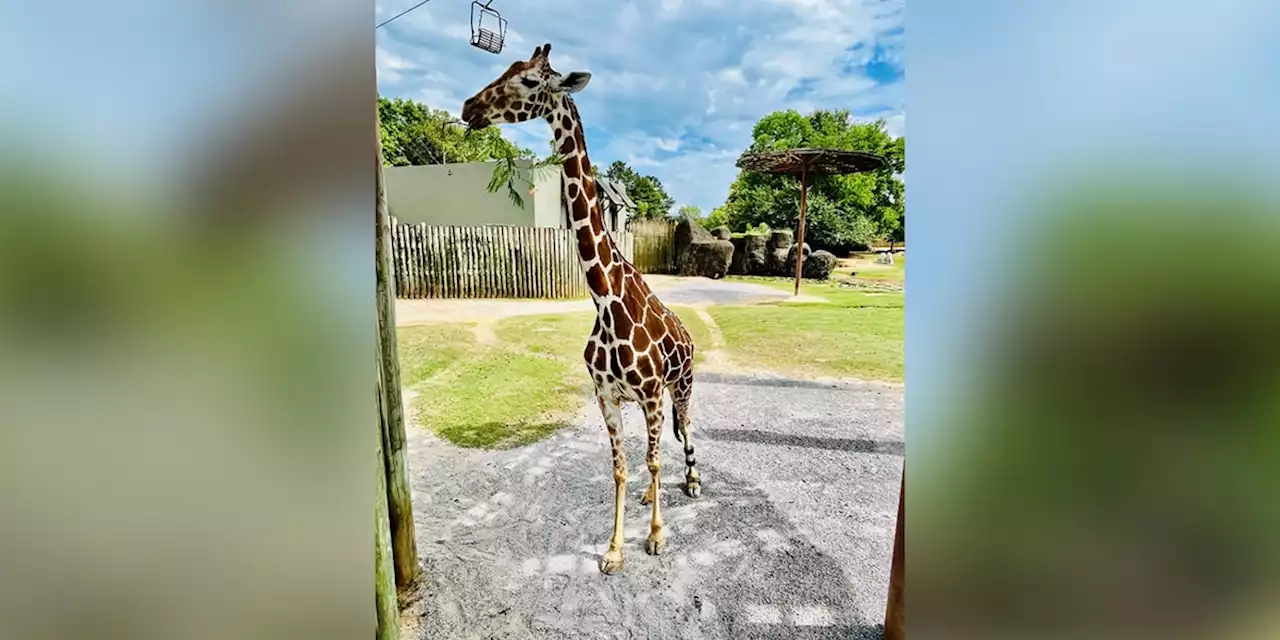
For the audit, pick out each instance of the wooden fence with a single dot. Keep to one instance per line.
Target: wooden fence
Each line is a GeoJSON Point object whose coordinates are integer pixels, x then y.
{"type": "Point", "coordinates": [490, 262]}
{"type": "Point", "coordinates": [654, 245]}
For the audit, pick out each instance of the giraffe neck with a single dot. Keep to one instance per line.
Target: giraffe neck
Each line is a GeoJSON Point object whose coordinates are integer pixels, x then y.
{"type": "Point", "coordinates": [596, 250]}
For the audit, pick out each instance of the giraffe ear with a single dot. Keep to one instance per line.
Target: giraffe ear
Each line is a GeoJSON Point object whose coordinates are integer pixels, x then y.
{"type": "Point", "coordinates": [574, 82]}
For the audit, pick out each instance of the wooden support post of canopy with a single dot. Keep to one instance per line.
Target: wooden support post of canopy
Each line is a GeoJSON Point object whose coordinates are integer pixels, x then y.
{"type": "Point", "coordinates": [804, 204]}
{"type": "Point", "coordinates": [806, 163]}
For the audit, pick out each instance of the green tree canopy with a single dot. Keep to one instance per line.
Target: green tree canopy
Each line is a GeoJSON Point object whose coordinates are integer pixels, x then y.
{"type": "Point", "coordinates": [690, 211]}
{"type": "Point", "coordinates": [651, 198]}
{"type": "Point", "coordinates": [415, 134]}
{"type": "Point", "coordinates": [844, 212]}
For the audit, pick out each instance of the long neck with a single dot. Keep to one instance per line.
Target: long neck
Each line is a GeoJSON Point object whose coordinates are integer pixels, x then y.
{"type": "Point", "coordinates": [595, 247]}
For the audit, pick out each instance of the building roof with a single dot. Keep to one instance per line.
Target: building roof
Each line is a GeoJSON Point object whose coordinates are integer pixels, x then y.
{"type": "Point", "coordinates": [615, 192]}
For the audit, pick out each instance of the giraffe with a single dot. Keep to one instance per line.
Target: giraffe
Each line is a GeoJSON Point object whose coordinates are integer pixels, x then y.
{"type": "Point", "coordinates": [638, 348]}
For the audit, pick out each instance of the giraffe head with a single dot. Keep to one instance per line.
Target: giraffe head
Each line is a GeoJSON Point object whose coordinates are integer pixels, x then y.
{"type": "Point", "coordinates": [527, 90]}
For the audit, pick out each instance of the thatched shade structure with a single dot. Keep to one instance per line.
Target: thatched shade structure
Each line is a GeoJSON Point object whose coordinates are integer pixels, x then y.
{"type": "Point", "coordinates": [806, 162]}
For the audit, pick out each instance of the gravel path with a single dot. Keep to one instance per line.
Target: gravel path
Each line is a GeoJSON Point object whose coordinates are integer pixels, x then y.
{"type": "Point", "coordinates": [791, 538]}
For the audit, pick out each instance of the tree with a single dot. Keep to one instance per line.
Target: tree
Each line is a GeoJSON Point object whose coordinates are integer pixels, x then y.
{"type": "Point", "coordinates": [719, 217]}
{"type": "Point", "coordinates": [690, 211]}
{"type": "Point", "coordinates": [415, 134]}
{"type": "Point", "coordinates": [651, 198]}
{"type": "Point", "coordinates": [845, 212]}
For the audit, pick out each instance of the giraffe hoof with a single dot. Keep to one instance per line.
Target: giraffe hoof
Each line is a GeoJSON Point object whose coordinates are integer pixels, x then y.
{"type": "Point", "coordinates": [693, 488]}
{"type": "Point", "coordinates": [611, 563]}
{"type": "Point", "coordinates": [655, 546]}
{"type": "Point", "coordinates": [648, 496]}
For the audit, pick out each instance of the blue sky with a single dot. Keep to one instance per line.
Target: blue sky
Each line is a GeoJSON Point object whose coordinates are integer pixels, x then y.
{"type": "Point", "coordinates": [677, 84]}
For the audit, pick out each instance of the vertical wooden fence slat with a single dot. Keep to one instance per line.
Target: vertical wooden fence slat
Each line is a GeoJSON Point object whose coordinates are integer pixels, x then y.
{"type": "Point", "coordinates": [421, 268]}
{"type": "Point", "coordinates": [417, 266]}
{"type": "Point", "coordinates": [435, 264]}
{"type": "Point", "coordinates": [549, 269]}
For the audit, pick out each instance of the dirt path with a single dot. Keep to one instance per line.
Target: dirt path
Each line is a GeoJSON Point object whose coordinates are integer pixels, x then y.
{"type": "Point", "coordinates": [791, 537]}
{"type": "Point", "coordinates": [691, 292]}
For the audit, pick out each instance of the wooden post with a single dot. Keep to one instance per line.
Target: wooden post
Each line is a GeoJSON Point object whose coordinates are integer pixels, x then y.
{"type": "Point", "coordinates": [384, 582]}
{"type": "Point", "coordinates": [804, 192]}
{"type": "Point", "coordinates": [895, 622]}
{"type": "Point", "coordinates": [399, 503]}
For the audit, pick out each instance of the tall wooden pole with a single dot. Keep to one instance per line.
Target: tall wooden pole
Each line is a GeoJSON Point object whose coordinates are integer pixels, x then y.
{"type": "Point", "coordinates": [399, 498]}
{"type": "Point", "coordinates": [384, 580]}
{"type": "Point", "coordinates": [804, 192]}
{"type": "Point", "coordinates": [895, 623]}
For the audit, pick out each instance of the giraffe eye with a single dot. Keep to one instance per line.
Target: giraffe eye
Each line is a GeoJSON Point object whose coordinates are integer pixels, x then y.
{"type": "Point", "coordinates": [529, 82]}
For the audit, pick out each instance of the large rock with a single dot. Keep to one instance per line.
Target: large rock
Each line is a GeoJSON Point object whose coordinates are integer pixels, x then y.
{"type": "Point", "coordinates": [688, 232]}
{"type": "Point", "coordinates": [709, 259]}
{"type": "Point", "coordinates": [738, 266]}
{"type": "Point", "coordinates": [753, 254]}
{"type": "Point", "coordinates": [788, 266]}
{"type": "Point", "coordinates": [776, 253]}
{"type": "Point", "coordinates": [819, 265]}
{"type": "Point", "coordinates": [780, 240]}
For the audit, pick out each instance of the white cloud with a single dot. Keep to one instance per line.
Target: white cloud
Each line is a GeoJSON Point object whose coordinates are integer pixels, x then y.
{"type": "Point", "coordinates": [389, 66]}
{"type": "Point", "coordinates": [896, 124]}
{"type": "Point", "coordinates": [679, 94]}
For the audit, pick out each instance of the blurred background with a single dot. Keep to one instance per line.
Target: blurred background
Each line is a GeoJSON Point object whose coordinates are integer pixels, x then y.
{"type": "Point", "coordinates": [186, 298]}
{"type": "Point", "coordinates": [1094, 324]}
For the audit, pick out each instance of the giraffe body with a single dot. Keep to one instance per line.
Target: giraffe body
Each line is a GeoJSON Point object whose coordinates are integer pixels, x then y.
{"type": "Point", "coordinates": [637, 348]}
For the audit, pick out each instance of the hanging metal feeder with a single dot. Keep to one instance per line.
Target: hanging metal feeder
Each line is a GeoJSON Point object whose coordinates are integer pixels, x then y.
{"type": "Point", "coordinates": [488, 27]}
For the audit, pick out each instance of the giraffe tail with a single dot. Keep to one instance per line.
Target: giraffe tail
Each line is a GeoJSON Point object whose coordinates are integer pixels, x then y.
{"type": "Point", "coordinates": [678, 418]}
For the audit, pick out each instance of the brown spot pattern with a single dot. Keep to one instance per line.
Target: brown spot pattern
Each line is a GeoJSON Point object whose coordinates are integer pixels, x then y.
{"type": "Point", "coordinates": [622, 323]}
{"type": "Point", "coordinates": [595, 280]}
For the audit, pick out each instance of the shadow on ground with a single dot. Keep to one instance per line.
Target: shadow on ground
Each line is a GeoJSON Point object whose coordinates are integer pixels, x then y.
{"type": "Point", "coordinates": [511, 552]}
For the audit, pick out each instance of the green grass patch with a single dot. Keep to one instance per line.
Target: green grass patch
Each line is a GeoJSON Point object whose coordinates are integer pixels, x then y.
{"type": "Point", "coordinates": [511, 393]}
{"type": "Point", "coordinates": [429, 349]}
{"type": "Point", "coordinates": [697, 329]}
{"type": "Point", "coordinates": [500, 399]}
{"type": "Point", "coordinates": [834, 295]}
{"type": "Point", "coordinates": [865, 266]}
{"type": "Point", "coordinates": [853, 334]}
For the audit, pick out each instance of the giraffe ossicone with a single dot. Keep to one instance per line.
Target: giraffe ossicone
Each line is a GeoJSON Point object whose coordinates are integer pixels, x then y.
{"type": "Point", "coordinates": [638, 349]}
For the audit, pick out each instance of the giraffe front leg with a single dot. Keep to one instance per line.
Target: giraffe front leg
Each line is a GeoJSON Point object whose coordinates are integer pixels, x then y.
{"type": "Point", "coordinates": [657, 535]}
{"type": "Point", "coordinates": [611, 562]}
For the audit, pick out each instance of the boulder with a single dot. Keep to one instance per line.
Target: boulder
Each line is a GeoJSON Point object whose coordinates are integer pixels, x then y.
{"type": "Point", "coordinates": [738, 265]}
{"type": "Point", "coordinates": [753, 254]}
{"type": "Point", "coordinates": [688, 232]}
{"type": "Point", "coordinates": [709, 259]}
{"type": "Point", "coordinates": [780, 240]}
{"type": "Point", "coordinates": [819, 265]}
{"type": "Point", "coordinates": [776, 253]}
{"type": "Point", "coordinates": [789, 260]}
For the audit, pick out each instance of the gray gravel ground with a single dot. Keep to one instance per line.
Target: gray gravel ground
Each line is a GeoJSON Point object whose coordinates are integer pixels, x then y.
{"type": "Point", "coordinates": [791, 538]}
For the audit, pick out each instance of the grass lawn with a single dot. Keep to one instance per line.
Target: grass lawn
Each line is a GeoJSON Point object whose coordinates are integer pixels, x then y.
{"type": "Point", "coordinates": [865, 266]}
{"type": "Point", "coordinates": [507, 394]}
{"type": "Point", "coordinates": [854, 334]}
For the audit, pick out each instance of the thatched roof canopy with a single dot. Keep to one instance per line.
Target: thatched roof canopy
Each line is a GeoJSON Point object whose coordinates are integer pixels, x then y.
{"type": "Point", "coordinates": [811, 161]}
